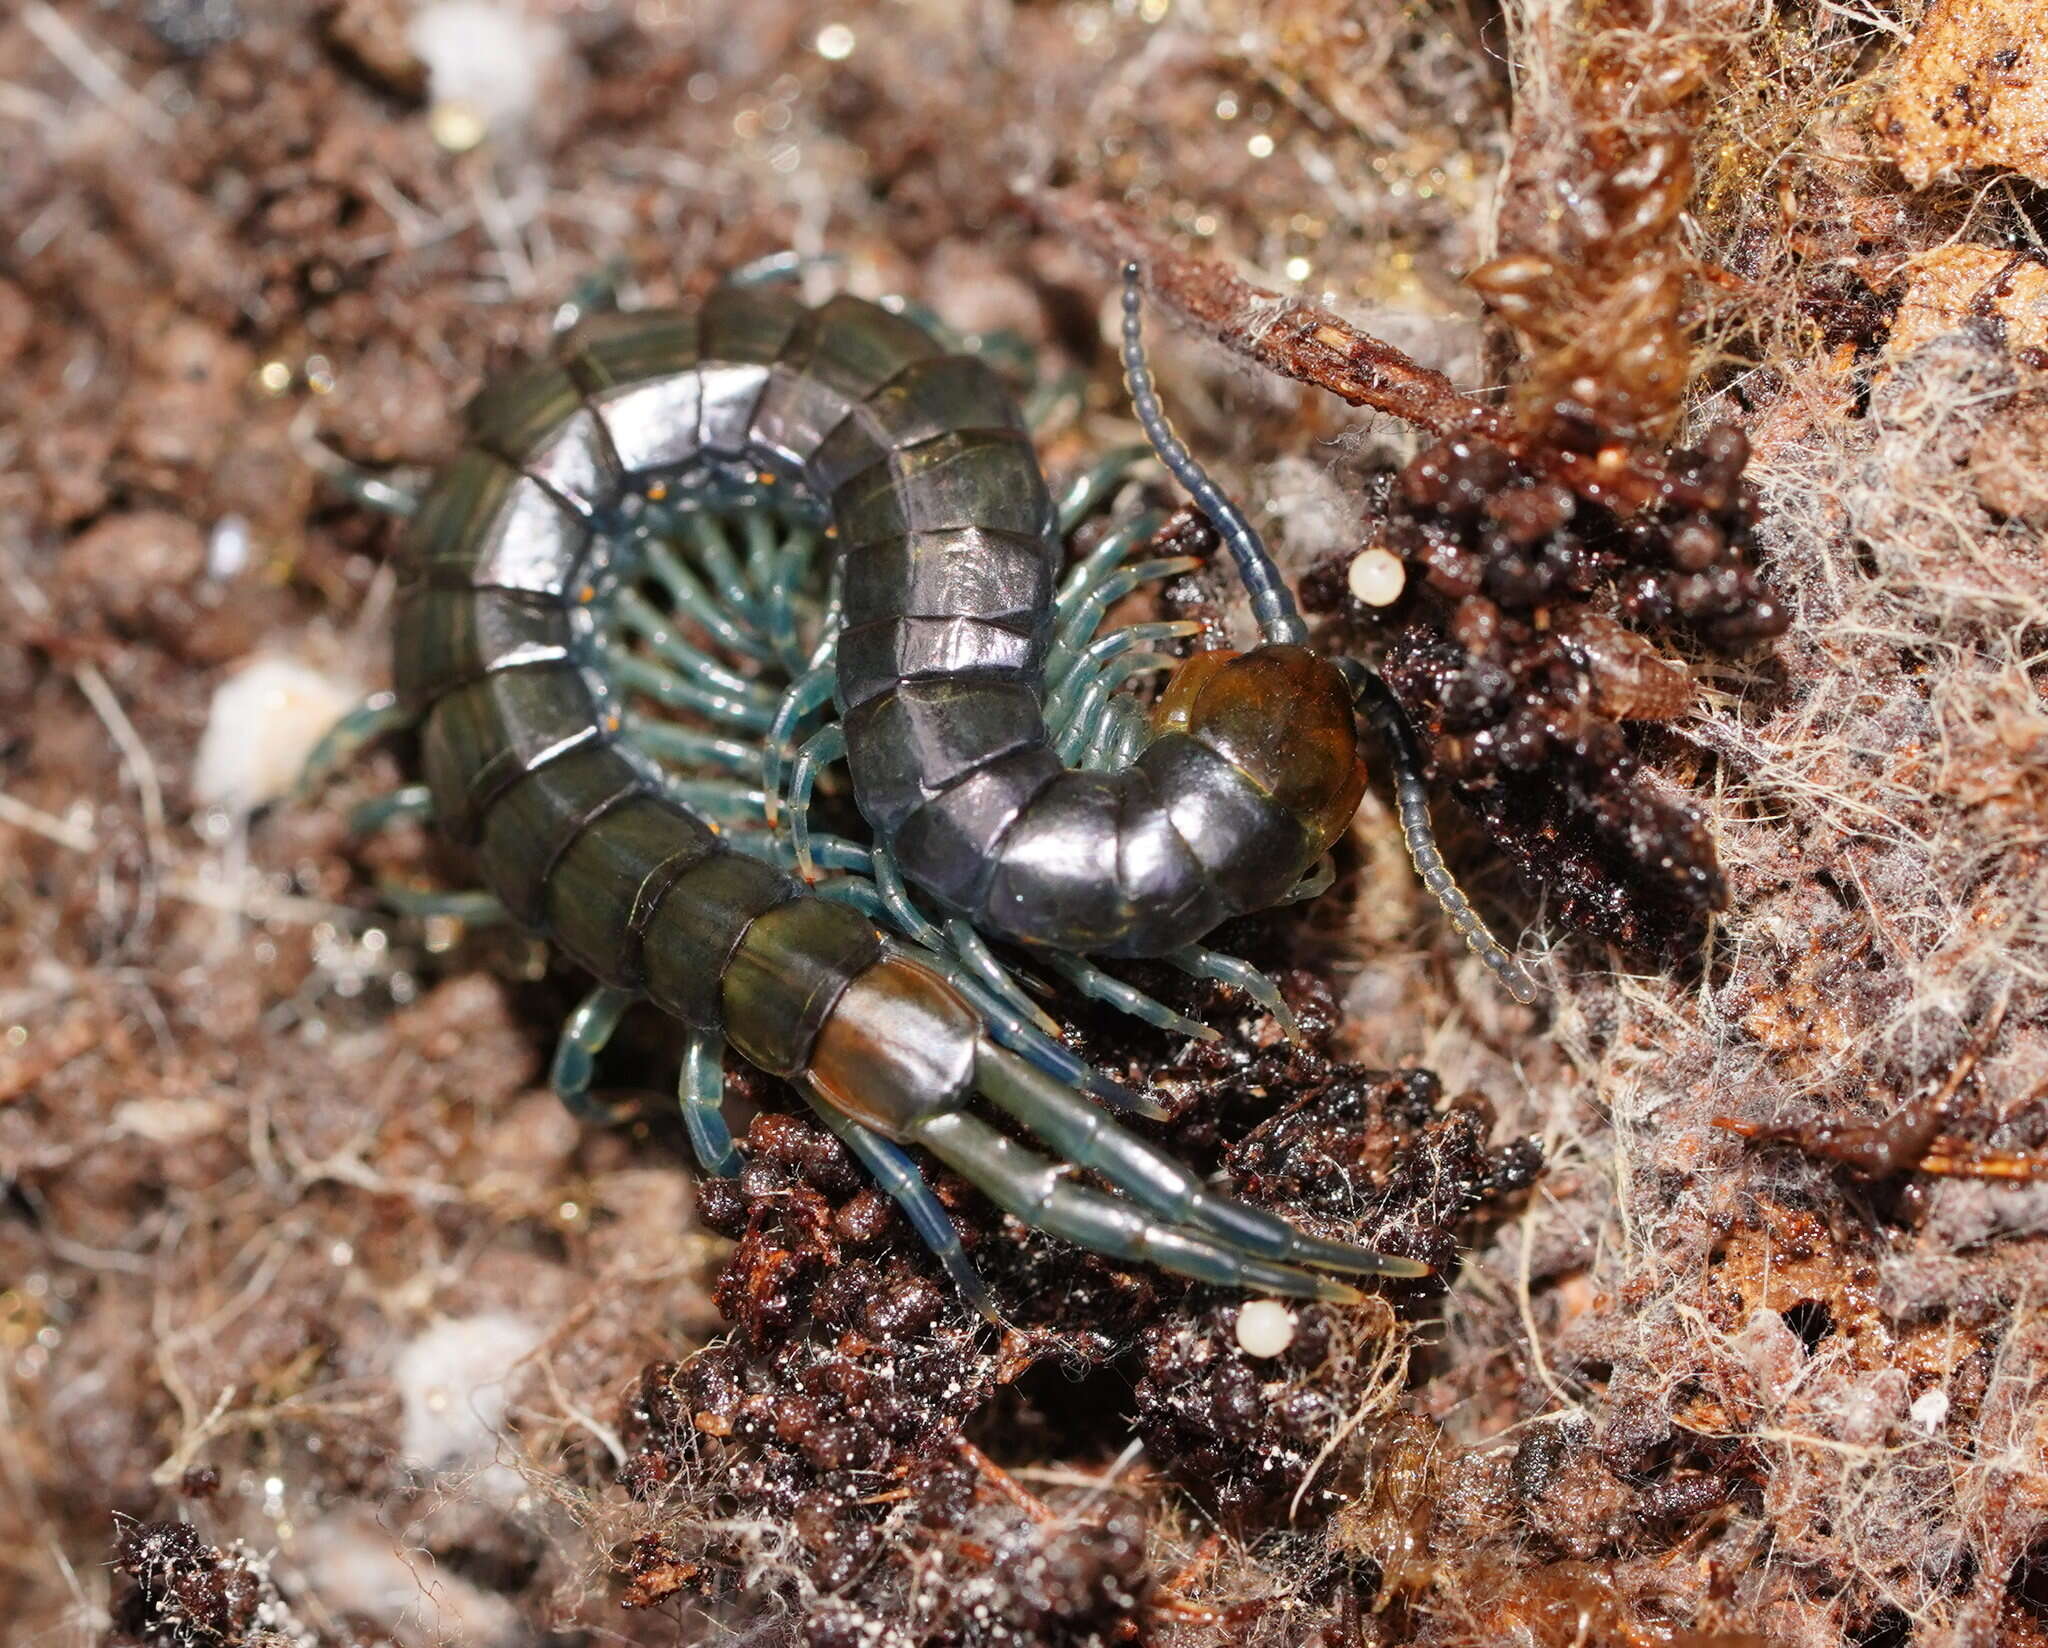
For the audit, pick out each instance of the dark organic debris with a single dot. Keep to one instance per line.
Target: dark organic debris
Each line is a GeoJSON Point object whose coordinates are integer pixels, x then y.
{"type": "Point", "coordinates": [184, 1593]}
{"type": "Point", "coordinates": [1515, 655]}
{"type": "Point", "coordinates": [844, 1404]}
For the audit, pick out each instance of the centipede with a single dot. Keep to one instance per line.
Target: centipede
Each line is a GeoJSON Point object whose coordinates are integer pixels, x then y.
{"type": "Point", "coordinates": [694, 558]}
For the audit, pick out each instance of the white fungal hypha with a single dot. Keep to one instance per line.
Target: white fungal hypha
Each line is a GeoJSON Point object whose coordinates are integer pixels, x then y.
{"type": "Point", "coordinates": [488, 67]}
{"type": "Point", "coordinates": [452, 1384]}
{"type": "Point", "coordinates": [1265, 1328]}
{"type": "Point", "coordinates": [1316, 514]}
{"type": "Point", "coordinates": [262, 725]}
{"type": "Point", "coordinates": [358, 1568]}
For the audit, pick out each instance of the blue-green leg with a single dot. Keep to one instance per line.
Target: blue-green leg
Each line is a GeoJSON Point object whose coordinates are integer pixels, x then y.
{"type": "Point", "coordinates": [375, 717]}
{"type": "Point", "coordinates": [826, 745]}
{"type": "Point", "coordinates": [892, 1169]}
{"type": "Point", "coordinates": [639, 616]}
{"type": "Point", "coordinates": [1078, 708]}
{"type": "Point", "coordinates": [596, 293]}
{"type": "Point", "coordinates": [1241, 975]}
{"type": "Point", "coordinates": [827, 648]}
{"type": "Point", "coordinates": [359, 485]}
{"type": "Point", "coordinates": [1315, 881]}
{"type": "Point", "coordinates": [718, 798]}
{"type": "Point", "coordinates": [1097, 985]}
{"type": "Point", "coordinates": [1082, 1135]}
{"type": "Point", "coordinates": [896, 900]}
{"type": "Point", "coordinates": [1122, 729]}
{"type": "Point", "coordinates": [1053, 402]}
{"type": "Point", "coordinates": [1101, 561]}
{"type": "Point", "coordinates": [702, 1092]}
{"type": "Point", "coordinates": [409, 801]}
{"type": "Point", "coordinates": [764, 271]}
{"type": "Point", "coordinates": [472, 909]}
{"type": "Point", "coordinates": [1131, 733]}
{"type": "Point", "coordinates": [589, 1028]}
{"type": "Point", "coordinates": [1021, 1035]}
{"type": "Point", "coordinates": [753, 710]}
{"type": "Point", "coordinates": [805, 695]}
{"type": "Point", "coordinates": [791, 563]}
{"type": "Point", "coordinates": [1094, 485]}
{"type": "Point", "coordinates": [1086, 617]}
{"type": "Point", "coordinates": [764, 559]}
{"type": "Point", "coordinates": [691, 747]}
{"type": "Point", "coordinates": [980, 961]}
{"type": "Point", "coordinates": [1073, 717]}
{"type": "Point", "coordinates": [686, 592]}
{"type": "Point", "coordinates": [706, 535]}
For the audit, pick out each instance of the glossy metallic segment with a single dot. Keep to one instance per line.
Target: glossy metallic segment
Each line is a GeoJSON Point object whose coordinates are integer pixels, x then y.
{"type": "Point", "coordinates": [452, 638]}
{"type": "Point", "coordinates": [876, 657]}
{"type": "Point", "coordinates": [596, 888]}
{"type": "Point", "coordinates": [741, 331]}
{"type": "Point", "coordinates": [787, 975]}
{"type": "Point", "coordinates": [921, 739]}
{"type": "Point", "coordinates": [542, 813]}
{"type": "Point", "coordinates": [1250, 849]}
{"type": "Point", "coordinates": [487, 526]}
{"type": "Point", "coordinates": [997, 577]}
{"type": "Point", "coordinates": [702, 918]}
{"type": "Point", "coordinates": [956, 835]}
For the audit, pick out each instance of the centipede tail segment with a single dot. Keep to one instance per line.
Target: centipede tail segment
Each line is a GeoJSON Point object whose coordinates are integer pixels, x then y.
{"type": "Point", "coordinates": [947, 635]}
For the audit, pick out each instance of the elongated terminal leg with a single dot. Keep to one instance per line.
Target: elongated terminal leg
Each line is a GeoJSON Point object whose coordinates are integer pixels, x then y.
{"type": "Point", "coordinates": [1087, 1138]}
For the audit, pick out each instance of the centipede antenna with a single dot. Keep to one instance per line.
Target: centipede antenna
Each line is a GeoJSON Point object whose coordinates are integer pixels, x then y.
{"type": "Point", "coordinates": [1272, 601]}
{"type": "Point", "coordinates": [1411, 795]}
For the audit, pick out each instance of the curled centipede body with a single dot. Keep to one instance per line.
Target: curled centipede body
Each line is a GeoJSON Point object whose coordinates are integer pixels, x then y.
{"type": "Point", "coordinates": [966, 688]}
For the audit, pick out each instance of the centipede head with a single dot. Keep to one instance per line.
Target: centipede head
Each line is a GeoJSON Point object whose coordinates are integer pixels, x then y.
{"type": "Point", "coordinates": [1282, 715]}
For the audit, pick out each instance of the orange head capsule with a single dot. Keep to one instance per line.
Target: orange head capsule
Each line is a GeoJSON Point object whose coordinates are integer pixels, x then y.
{"type": "Point", "coordinates": [1282, 716]}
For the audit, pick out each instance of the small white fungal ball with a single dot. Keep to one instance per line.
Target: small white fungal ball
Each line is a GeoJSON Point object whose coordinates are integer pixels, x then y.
{"type": "Point", "coordinates": [488, 65]}
{"type": "Point", "coordinates": [1265, 1327]}
{"type": "Point", "coordinates": [1929, 1410]}
{"type": "Point", "coordinates": [1377, 577]}
{"type": "Point", "coordinates": [264, 722]}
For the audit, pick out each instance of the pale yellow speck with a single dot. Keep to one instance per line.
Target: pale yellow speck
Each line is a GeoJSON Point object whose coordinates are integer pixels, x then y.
{"type": "Point", "coordinates": [1259, 145]}
{"type": "Point", "coordinates": [1297, 268]}
{"type": "Point", "coordinates": [274, 377]}
{"type": "Point", "coordinates": [456, 126]}
{"type": "Point", "coordinates": [835, 42]}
